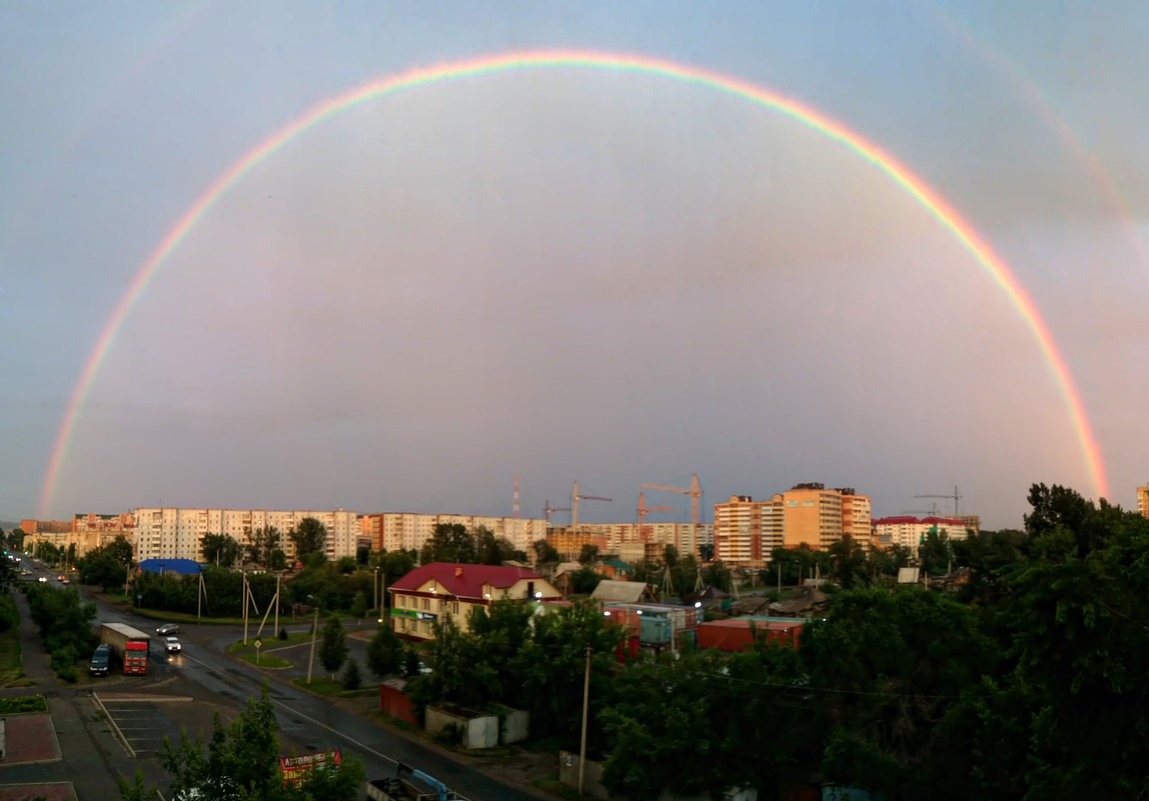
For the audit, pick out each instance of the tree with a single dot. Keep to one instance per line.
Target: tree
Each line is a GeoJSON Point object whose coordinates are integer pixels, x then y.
{"type": "Point", "coordinates": [137, 789]}
{"type": "Point", "coordinates": [588, 555]}
{"type": "Point", "coordinates": [351, 677]}
{"type": "Point", "coordinates": [670, 556]}
{"type": "Point", "coordinates": [718, 576]}
{"type": "Point", "coordinates": [333, 646]}
{"type": "Point", "coordinates": [264, 542]}
{"type": "Point", "coordinates": [385, 653]}
{"type": "Point", "coordinates": [450, 542]}
{"type": "Point", "coordinates": [308, 537]}
{"type": "Point", "coordinates": [359, 605]}
{"type": "Point", "coordinates": [848, 557]}
{"type": "Point", "coordinates": [706, 551]}
{"type": "Point", "coordinates": [242, 761]}
{"type": "Point", "coordinates": [545, 553]}
{"type": "Point", "coordinates": [221, 550]}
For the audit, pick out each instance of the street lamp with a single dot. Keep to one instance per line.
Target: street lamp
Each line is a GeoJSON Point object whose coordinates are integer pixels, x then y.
{"type": "Point", "coordinates": [378, 595]}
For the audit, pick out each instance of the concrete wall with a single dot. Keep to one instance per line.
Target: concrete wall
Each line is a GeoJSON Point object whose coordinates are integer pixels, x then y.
{"type": "Point", "coordinates": [478, 732]}
{"type": "Point", "coordinates": [516, 724]}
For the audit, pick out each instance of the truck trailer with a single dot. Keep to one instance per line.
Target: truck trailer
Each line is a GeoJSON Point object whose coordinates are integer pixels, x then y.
{"type": "Point", "coordinates": [409, 784]}
{"type": "Point", "coordinates": [130, 646]}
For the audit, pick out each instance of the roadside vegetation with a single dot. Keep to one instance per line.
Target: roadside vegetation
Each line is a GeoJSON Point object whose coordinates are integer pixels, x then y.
{"type": "Point", "coordinates": [23, 704]}
{"type": "Point", "coordinates": [1025, 680]}
{"type": "Point", "coordinates": [241, 760]}
{"type": "Point", "coordinates": [65, 624]}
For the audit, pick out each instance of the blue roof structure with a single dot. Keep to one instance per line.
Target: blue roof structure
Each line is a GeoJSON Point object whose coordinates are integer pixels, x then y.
{"type": "Point", "coordinates": [185, 567]}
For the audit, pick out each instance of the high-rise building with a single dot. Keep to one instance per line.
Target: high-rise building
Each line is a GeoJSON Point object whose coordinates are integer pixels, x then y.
{"type": "Point", "coordinates": [172, 533]}
{"type": "Point", "coordinates": [406, 531]}
{"type": "Point", "coordinates": [746, 531]}
{"type": "Point", "coordinates": [857, 515]}
{"type": "Point", "coordinates": [615, 535]}
{"type": "Point", "coordinates": [811, 515]}
{"type": "Point", "coordinates": [1143, 500]}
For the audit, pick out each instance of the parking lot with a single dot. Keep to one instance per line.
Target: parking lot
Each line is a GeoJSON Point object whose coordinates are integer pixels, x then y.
{"type": "Point", "coordinates": [145, 721]}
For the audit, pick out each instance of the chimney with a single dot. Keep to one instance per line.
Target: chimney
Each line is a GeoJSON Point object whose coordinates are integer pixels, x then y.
{"type": "Point", "coordinates": [459, 571]}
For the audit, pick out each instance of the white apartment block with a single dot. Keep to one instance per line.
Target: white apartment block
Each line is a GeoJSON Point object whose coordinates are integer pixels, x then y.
{"type": "Point", "coordinates": [407, 531]}
{"type": "Point", "coordinates": [172, 533]}
{"type": "Point", "coordinates": [909, 531]}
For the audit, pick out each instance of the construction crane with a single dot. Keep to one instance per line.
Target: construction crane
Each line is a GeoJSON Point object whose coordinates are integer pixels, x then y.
{"type": "Point", "coordinates": [695, 493]}
{"type": "Point", "coordinates": [931, 512]}
{"type": "Point", "coordinates": [576, 496]}
{"type": "Point", "coordinates": [956, 498]}
{"type": "Point", "coordinates": [643, 509]}
{"type": "Point", "coordinates": [547, 509]}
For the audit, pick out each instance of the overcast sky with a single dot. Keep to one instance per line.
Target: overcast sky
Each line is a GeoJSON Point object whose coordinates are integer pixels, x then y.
{"type": "Point", "coordinates": [569, 274]}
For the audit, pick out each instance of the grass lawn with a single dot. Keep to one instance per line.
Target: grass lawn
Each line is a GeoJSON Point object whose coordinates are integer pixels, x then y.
{"type": "Point", "coordinates": [556, 787]}
{"type": "Point", "coordinates": [270, 643]}
{"type": "Point", "coordinates": [266, 660]}
{"type": "Point", "coordinates": [11, 663]}
{"type": "Point", "coordinates": [322, 685]}
{"type": "Point", "coordinates": [27, 703]}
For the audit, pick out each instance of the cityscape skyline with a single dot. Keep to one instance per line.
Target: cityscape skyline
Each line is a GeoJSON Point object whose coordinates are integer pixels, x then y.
{"type": "Point", "coordinates": [895, 249]}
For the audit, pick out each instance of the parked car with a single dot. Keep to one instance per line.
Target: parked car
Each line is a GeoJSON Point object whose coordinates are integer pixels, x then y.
{"type": "Point", "coordinates": [172, 645]}
{"type": "Point", "coordinates": [100, 659]}
{"type": "Point", "coordinates": [168, 628]}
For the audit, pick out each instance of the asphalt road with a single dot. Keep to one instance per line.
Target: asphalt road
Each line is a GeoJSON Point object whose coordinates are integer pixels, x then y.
{"type": "Point", "coordinates": [304, 719]}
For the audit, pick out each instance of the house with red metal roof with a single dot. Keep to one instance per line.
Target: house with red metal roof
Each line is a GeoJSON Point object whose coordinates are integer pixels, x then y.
{"type": "Point", "coordinates": [444, 590]}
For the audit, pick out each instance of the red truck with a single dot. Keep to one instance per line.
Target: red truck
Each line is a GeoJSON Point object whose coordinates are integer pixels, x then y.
{"type": "Point", "coordinates": [130, 646]}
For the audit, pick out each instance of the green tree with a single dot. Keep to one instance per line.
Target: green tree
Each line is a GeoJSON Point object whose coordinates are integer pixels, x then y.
{"type": "Point", "coordinates": [263, 542]}
{"type": "Point", "coordinates": [718, 576]}
{"type": "Point", "coordinates": [588, 555]}
{"type": "Point", "coordinates": [221, 550]}
{"type": "Point", "coordinates": [242, 760]}
{"type": "Point", "coordinates": [584, 581]}
{"type": "Point", "coordinates": [385, 653]}
{"type": "Point", "coordinates": [359, 606]}
{"type": "Point", "coordinates": [308, 537]}
{"type": "Point", "coordinates": [333, 646]}
{"type": "Point", "coordinates": [137, 789]}
{"type": "Point", "coordinates": [545, 553]}
{"type": "Point", "coordinates": [450, 542]}
{"type": "Point", "coordinates": [849, 563]}
{"type": "Point", "coordinates": [492, 550]}
{"type": "Point", "coordinates": [351, 676]}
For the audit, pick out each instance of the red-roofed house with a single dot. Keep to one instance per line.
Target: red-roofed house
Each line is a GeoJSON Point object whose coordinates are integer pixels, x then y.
{"type": "Point", "coordinates": [440, 590]}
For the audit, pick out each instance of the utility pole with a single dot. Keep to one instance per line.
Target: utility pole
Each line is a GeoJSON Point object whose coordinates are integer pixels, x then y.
{"type": "Point", "coordinates": [585, 709]}
{"type": "Point", "coordinates": [314, 635]}
{"type": "Point", "coordinates": [277, 606]}
{"type": "Point", "coordinates": [244, 608]}
{"type": "Point", "coordinates": [779, 577]}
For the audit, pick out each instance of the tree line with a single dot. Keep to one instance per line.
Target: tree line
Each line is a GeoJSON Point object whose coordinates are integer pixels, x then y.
{"type": "Point", "coordinates": [1026, 683]}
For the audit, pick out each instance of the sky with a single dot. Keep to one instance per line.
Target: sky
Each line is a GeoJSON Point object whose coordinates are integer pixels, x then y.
{"type": "Point", "coordinates": [568, 273]}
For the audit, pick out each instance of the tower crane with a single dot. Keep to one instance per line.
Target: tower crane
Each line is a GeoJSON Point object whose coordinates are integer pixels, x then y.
{"type": "Point", "coordinates": [695, 493]}
{"type": "Point", "coordinates": [547, 509]}
{"type": "Point", "coordinates": [576, 496]}
{"type": "Point", "coordinates": [643, 509]}
{"type": "Point", "coordinates": [956, 498]}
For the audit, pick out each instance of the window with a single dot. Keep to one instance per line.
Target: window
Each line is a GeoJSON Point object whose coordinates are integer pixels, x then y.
{"type": "Point", "coordinates": [427, 604]}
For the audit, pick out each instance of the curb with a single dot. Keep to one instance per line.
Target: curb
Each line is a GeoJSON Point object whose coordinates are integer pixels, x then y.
{"type": "Point", "coordinates": [115, 727]}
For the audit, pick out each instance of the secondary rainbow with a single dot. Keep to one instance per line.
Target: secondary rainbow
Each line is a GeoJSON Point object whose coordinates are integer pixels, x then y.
{"type": "Point", "coordinates": [564, 59]}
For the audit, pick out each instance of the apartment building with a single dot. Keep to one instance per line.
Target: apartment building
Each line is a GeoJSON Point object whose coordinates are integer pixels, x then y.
{"type": "Point", "coordinates": [85, 531]}
{"type": "Point", "coordinates": [177, 533]}
{"type": "Point", "coordinates": [908, 530]}
{"type": "Point", "coordinates": [406, 531]}
{"type": "Point", "coordinates": [746, 531]}
{"type": "Point", "coordinates": [612, 537]}
{"type": "Point", "coordinates": [1143, 500]}
{"type": "Point", "coordinates": [811, 515]}
{"type": "Point", "coordinates": [439, 591]}
{"type": "Point", "coordinates": [857, 515]}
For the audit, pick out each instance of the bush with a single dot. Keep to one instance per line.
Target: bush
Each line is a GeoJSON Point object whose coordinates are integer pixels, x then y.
{"type": "Point", "coordinates": [351, 678]}
{"type": "Point", "coordinates": [282, 633]}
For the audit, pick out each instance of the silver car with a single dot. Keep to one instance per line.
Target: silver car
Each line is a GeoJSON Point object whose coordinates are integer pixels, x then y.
{"type": "Point", "coordinates": [168, 628]}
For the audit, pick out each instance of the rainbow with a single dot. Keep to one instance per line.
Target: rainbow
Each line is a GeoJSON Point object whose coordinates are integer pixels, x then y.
{"type": "Point", "coordinates": [563, 59]}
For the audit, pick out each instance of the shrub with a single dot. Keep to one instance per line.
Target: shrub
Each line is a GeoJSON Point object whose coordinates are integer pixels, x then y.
{"type": "Point", "coordinates": [351, 678]}
{"type": "Point", "coordinates": [282, 633]}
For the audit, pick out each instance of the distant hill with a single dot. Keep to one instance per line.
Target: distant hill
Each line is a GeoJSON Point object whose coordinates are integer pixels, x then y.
{"type": "Point", "coordinates": [8, 525]}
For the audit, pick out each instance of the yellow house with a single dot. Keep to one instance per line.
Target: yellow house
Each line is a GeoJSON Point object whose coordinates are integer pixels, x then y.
{"type": "Point", "coordinates": [444, 590]}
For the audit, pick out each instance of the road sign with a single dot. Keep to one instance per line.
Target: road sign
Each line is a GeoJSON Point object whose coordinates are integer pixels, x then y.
{"type": "Point", "coordinates": [259, 643]}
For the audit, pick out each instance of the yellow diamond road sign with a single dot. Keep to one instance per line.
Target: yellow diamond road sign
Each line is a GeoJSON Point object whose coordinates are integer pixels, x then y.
{"type": "Point", "coordinates": [259, 643]}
